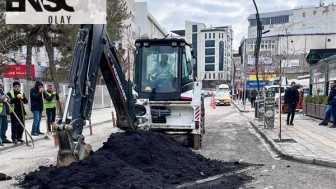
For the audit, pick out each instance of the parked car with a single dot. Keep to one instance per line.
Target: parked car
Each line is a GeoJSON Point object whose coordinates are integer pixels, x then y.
{"type": "Point", "coordinates": [222, 98]}
{"type": "Point", "coordinates": [278, 92]}
{"type": "Point", "coordinates": [205, 93]}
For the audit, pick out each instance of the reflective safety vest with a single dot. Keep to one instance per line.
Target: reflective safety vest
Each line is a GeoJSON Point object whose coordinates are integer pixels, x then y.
{"type": "Point", "coordinates": [50, 104]}
{"type": "Point", "coordinates": [13, 96]}
{"type": "Point", "coordinates": [1, 107]}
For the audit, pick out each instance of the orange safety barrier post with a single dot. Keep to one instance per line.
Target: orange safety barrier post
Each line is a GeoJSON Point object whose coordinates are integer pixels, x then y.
{"type": "Point", "coordinates": [54, 134]}
{"type": "Point", "coordinates": [113, 119]}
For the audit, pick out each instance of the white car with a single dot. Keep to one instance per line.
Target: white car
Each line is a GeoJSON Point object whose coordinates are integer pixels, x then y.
{"type": "Point", "coordinates": [277, 93]}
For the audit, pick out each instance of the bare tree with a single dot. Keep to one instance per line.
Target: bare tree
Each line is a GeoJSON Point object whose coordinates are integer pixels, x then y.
{"type": "Point", "coordinates": [126, 53]}
{"type": "Point", "coordinates": [285, 52]}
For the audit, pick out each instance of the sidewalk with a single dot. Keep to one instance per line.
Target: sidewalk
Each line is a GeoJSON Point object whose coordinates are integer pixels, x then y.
{"type": "Point", "coordinates": [306, 141]}
{"type": "Point", "coordinates": [99, 116]}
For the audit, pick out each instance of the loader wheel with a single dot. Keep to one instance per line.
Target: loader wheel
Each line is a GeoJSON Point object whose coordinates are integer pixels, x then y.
{"type": "Point", "coordinates": [197, 141]}
{"type": "Point", "coordinates": [194, 141]}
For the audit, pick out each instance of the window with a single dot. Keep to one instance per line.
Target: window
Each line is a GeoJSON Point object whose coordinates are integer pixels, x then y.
{"type": "Point", "coordinates": [210, 51]}
{"type": "Point", "coordinates": [151, 58]}
{"type": "Point", "coordinates": [222, 35]}
{"type": "Point", "coordinates": [210, 59]}
{"type": "Point", "coordinates": [280, 19]}
{"type": "Point", "coordinates": [205, 35]}
{"type": "Point", "coordinates": [38, 49]}
{"type": "Point", "coordinates": [213, 35]}
{"type": "Point", "coordinates": [194, 28]}
{"type": "Point", "coordinates": [219, 35]}
{"type": "Point", "coordinates": [194, 43]}
{"type": "Point", "coordinates": [209, 35]}
{"type": "Point", "coordinates": [265, 21]}
{"type": "Point", "coordinates": [205, 76]}
{"type": "Point", "coordinates": [210, 43]}
{"type": "Point", "coordinates": [186, 66]}
{"type": "Point", "coordinates": [210, 67]}
{"type": "Point", "coordinates": [221, 56]}
{"type": "Point", "coordinates": [214, 76]}
{"type": "Point", "coordinates": [276, 89]}
{"type": "Point", "coordinates": [253, 22]}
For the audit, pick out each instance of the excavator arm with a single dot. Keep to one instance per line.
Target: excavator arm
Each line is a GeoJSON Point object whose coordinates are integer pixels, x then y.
{"type": "Point", "coordinates": [93, 50]}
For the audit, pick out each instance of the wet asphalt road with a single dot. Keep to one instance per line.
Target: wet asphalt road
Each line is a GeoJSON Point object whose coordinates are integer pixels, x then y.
{"type": "Point", "coordinates": [229, 137]}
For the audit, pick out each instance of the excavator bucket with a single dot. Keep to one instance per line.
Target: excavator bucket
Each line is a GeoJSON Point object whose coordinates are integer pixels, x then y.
{"type": "Point", "coordinates": [66, 157]}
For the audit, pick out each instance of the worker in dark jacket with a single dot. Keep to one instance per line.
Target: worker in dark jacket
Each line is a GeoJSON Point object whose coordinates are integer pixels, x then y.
{"type": "Point", "coordinates": [292, 98]}
{"type": "Point", "coordinates": [332, 95]}
{"type": "Point", "coordinates": [17, 99]}
{"type": "Point", "coordinates": [50, 105]}
{"type": "Point", "coordinates": [36, 103]}
{"type": "Point", "coordinates": [254, 94]}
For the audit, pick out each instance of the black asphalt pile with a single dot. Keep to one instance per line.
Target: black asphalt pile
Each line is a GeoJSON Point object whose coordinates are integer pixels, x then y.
{"type": "Point", "coordinates": [132, 159]}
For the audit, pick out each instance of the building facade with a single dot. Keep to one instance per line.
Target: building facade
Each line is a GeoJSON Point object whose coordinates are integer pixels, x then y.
{"type": "Point", "coordinates": [141, 24]}
{"type": "Point", "coordinates": [289, 36]}
{"type": "Point", "coordinates": [212, 47]}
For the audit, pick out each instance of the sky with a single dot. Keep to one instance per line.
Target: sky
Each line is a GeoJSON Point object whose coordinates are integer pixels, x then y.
{"type": "Point", "coordinates": [172, 14]}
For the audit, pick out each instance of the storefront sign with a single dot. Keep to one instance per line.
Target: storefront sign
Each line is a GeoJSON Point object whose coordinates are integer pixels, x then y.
{"type": "Point", "coordinates": [265, 58]}
{"type": "Point", "coordinates": [18, 71]}
{"type": "Point", "coordinates": [262, 77]}
{"type": "Point", "coordinates": [254, 84]}
{"type": "Point", "coordinates": [290, 63]}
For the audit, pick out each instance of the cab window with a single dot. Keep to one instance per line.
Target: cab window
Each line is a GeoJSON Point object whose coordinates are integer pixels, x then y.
{"type": "Point", "coordinates": [186, 65]}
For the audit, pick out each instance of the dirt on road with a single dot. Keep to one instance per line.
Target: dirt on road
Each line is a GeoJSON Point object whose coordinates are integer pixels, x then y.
{"type": "Point", "coordinates": [135, 159]}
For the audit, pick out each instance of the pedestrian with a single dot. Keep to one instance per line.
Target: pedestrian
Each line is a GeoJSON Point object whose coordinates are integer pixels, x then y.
{"type": "Point", "coordinates": [50, 106]}
{"type": "Point", "coordinates": [332, 102]}
{"type": "Point", "coordinates": [327, 114]}
{"type": "Point", "coordinates": [4, 112]}
{"type": "Point", "coordinates": [292, 98]}
{"type": "Point", "coordinates": [17, 101]}
{"type": "Point", "coordinates": [36, 106]}
{"type": "Point", "coordinates": [254, 94]}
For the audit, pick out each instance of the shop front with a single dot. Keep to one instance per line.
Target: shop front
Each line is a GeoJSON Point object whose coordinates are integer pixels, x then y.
{"type": "Point", "coordinates": [321, 74]}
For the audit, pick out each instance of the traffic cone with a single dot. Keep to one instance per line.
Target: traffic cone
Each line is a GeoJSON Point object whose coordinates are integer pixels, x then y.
{"type": "Point", "coordinates": [213, 103]}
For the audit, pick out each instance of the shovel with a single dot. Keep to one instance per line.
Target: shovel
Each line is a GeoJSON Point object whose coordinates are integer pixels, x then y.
{"type": "Point", "coordinates": [46, 136]}
{"type": "Point", "coordinates": [24, 120]}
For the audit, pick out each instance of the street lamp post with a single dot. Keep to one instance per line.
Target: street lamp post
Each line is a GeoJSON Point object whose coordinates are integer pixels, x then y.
{"type": "Point", "coordinates": [233, 74]}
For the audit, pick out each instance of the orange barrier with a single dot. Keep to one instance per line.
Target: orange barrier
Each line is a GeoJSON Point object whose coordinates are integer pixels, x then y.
{"type": "Point", "coordinates": [113, 120]}
{"type": "Point", "coordinates": [54, 134]}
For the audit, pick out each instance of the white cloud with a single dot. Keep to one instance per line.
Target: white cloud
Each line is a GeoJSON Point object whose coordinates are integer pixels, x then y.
{"type": "Point", "coordinates": [172, 14]}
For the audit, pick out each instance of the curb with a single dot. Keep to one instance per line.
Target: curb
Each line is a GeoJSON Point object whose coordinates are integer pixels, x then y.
{"type": "Point", "coordinates": [3, 148]}
{"type": "Point", "coordinates": [279, 151]}
{"type": "Point", "coordinates": [239, 108]}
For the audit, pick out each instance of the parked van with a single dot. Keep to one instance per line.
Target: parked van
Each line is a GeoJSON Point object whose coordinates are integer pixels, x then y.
{"type": "Point", "coordinates": [278, 92]}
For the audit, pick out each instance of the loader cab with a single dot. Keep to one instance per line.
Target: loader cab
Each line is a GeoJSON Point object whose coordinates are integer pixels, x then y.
{"type": "Point", "coordinates": [163, 68]}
